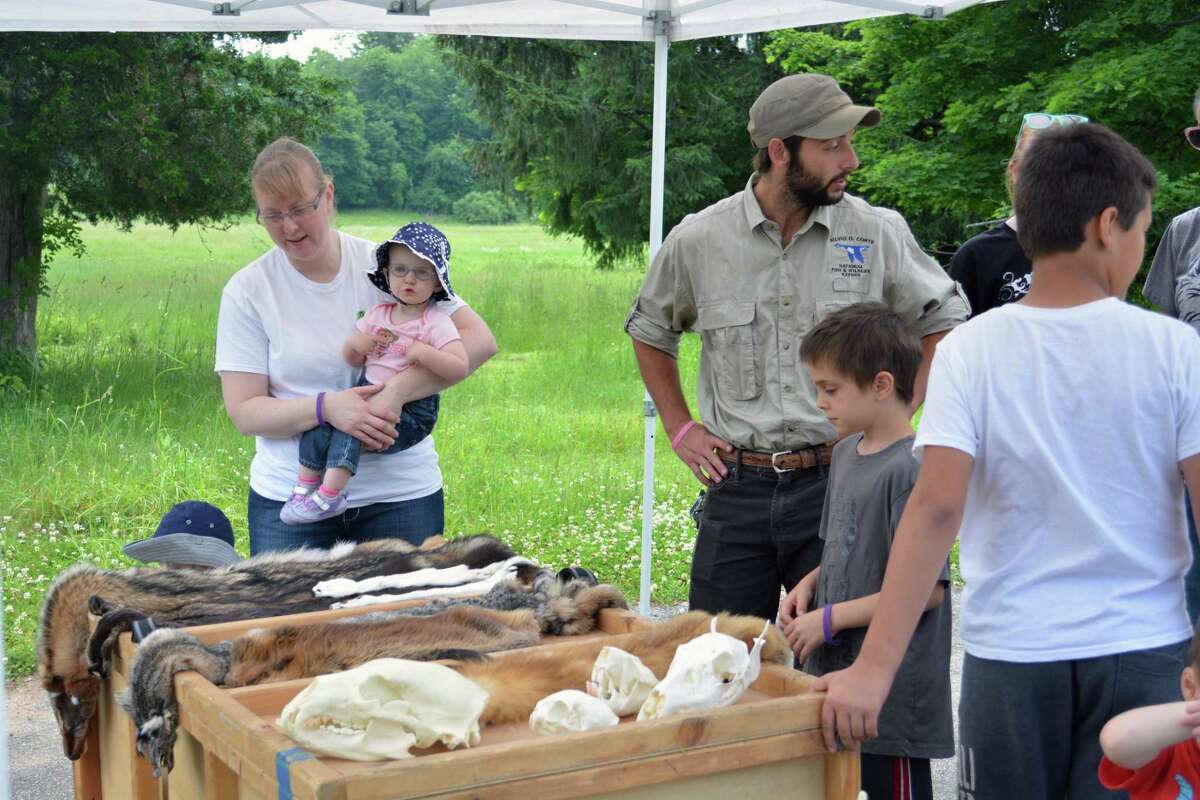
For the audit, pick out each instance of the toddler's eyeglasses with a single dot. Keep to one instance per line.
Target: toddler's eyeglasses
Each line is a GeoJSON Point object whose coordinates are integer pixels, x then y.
{"type": "Point", "coordinates": [297, 214]}
{"type": "Point", "coordinates": [1193, 136]}
{"type": "Point", "coordinates": [420, 273]}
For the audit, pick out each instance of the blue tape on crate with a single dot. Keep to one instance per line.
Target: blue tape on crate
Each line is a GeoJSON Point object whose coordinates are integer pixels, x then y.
{"type": "Point", "coordinates": [283, 774]}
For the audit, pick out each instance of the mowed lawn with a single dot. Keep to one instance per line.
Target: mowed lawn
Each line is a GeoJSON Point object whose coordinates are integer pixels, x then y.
{"type": "Point", "coordinates": [541, 447]}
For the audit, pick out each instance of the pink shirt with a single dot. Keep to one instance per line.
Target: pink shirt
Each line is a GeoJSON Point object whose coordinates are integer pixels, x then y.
{"type": "Point", "coordinates": [433, 327]}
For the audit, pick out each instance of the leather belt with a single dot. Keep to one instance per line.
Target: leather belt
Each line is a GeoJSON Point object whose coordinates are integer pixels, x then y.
{"type": "Point", "coordinates": [785, 460]}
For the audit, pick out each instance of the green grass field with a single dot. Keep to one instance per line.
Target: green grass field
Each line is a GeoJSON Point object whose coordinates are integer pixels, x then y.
{"type": "Point", "coordinates": [542, 446]}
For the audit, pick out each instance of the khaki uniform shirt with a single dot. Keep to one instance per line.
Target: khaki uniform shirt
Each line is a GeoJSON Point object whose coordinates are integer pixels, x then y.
{"type": "Point", "coordinates": [725, 273]}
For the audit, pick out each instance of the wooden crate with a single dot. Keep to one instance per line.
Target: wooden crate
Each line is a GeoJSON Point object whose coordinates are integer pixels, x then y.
{"type": "Point", "coordinates": [768, 744]}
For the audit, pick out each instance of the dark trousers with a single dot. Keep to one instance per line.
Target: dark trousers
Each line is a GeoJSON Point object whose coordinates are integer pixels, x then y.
{"type": "Point", "coordinates": [1032, 731]}
{"type": "Point", "coordinates": [757, 533]}
{"type": "Point", "coordinates": [896, 777]}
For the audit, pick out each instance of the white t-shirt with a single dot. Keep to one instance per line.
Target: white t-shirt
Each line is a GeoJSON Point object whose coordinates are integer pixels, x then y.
{"type": "Point", "coordinates": [1073, 541]}
{"type": "Point", "coordinates": [278, 323]}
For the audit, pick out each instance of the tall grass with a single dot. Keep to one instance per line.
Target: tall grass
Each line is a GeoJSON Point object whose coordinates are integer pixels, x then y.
{"type": "Point", "coordinates": [541, 447]}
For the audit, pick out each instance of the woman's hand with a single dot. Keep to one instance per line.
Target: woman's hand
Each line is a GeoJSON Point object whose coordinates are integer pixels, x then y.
{"type": "Point", "coordinates": [351, 412]}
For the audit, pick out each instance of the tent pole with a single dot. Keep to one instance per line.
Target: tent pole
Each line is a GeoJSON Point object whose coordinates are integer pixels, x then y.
{"type": "Point", "coordinates": [658, 152]}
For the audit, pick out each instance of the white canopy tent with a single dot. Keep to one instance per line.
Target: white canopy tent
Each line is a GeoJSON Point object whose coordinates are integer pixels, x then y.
{"type": "Point", "coordinates": [658, 21]}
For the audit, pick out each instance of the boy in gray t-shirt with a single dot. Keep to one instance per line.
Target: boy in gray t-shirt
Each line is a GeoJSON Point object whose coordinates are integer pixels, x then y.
{"type": "Point", "coordinates": [864, 364]}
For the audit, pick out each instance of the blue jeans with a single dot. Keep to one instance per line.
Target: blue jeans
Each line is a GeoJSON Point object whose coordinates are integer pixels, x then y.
{"type": "Point", "coordinates": [411, 520]}
{"type": "Point", "coordinates": [325, 447]}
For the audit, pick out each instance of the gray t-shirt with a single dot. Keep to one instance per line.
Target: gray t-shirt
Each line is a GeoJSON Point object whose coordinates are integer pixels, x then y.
{"type": "Point", "coordinates": [1173, 284]}
{"type": "Point", "coordinates": [863, 504]}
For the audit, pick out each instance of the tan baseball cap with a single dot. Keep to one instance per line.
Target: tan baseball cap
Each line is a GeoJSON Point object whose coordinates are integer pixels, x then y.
{"type": "Point", "coordinates": [809, 105]}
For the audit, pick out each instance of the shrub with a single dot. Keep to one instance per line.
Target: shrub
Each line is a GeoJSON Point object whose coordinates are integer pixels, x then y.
{"type": "Point", "coordinates": [485, 208]}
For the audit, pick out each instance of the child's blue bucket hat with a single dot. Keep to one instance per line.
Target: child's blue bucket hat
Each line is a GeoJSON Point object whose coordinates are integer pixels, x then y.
{"type": "Point", "coordinates": [428, 243]}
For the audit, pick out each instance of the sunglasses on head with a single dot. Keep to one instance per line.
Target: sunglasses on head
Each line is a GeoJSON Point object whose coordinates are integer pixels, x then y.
{"type": "Point", "coordinates": [1193, 136]}
{"type": "Point", "coordinates": [1041, 120]}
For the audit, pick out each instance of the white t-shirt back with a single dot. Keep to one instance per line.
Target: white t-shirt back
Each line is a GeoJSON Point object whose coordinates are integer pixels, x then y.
{"type": "Point", "coordinates": [1073, 540]}
{"type": "Point", "coordinates": [276, 322]}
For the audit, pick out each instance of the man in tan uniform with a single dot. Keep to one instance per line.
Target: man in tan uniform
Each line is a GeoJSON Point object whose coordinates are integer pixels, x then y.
{"type": "Point", "coordinates": [752, 274]}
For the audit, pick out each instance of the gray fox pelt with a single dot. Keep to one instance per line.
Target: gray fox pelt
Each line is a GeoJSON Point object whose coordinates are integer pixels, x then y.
{"type": "Point", "coordinates": [510, 616]}
{"type": "Point", "coordinates": [264, 586]}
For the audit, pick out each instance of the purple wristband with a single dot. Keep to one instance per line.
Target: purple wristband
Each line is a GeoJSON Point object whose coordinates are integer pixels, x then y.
{"type": "Point", "coordinates": [321, 421]}
{"type": "Point", "coordinates": [826, 620]}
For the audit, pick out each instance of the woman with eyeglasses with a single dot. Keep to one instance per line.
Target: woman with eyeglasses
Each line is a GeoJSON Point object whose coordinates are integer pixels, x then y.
{"type": "Point", "coordinates": [282, 324]}
{"type": "Point", "coordinates": [1173, 285]}
{"type": "Point", "coordinates": [991, 267]}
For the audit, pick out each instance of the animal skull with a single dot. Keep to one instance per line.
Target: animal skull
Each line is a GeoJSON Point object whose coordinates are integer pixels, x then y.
{"type": "Point", "coordinates": [381, 709]}
{"type": "Point", "coordinates": [621, 680]}
{"type": "Point", "coordinates": [570, 710]}
{"type": "Point", "coordinates": [710, 671]}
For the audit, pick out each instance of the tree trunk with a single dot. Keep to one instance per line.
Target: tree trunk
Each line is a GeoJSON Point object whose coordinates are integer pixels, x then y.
{"type": "Point", "coordinates": [21, 209]}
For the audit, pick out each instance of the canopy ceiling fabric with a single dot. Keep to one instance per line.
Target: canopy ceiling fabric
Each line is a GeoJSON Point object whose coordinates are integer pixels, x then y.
{"type": "Point", "coordinates": [619, 20]}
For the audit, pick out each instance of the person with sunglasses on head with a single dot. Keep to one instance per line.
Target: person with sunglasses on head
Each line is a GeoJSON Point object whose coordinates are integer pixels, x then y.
{"type": "Point", "coordinates": [991, 267]}
{"type": "Point", "coordinates": [1173, 286]}
{"type": "Point", "coordinates": [414, 268]}
{"type": "Point", "coordinates": [280, 333]}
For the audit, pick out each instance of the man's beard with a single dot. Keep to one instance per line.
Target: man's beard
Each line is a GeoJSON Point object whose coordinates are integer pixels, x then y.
{"type": "Point", "coordinates": [806, 189]}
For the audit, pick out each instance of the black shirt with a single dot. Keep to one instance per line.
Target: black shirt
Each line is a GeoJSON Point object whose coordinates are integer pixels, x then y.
{"type": "Point", "coordinates": [992, 269]}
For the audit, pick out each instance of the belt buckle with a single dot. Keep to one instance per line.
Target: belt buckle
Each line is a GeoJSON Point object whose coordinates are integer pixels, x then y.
{"type": "Point", "coordinates": [776, 455]}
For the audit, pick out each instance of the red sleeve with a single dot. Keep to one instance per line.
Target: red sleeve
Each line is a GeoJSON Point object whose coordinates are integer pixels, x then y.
{"type": "Point", "coordinates": [1143, 780]}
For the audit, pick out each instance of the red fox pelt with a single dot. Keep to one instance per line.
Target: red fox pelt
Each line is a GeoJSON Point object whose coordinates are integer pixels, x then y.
{"type": "Point", "coordinates": [518, 681]}
{"type": "Point", "coordinates": [264, 586]}
{"type": "Point", "coordinates": [511, 615]}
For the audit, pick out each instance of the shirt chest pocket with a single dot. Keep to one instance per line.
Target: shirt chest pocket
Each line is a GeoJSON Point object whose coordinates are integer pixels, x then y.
{"type": "Point", "coordinates": [727, 331]}
{"type": "Point", "coordinates": [842, 291]}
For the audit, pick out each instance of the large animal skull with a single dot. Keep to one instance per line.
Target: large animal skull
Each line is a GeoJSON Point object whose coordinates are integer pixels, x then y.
{"type": "Point", "coordinates": [570, 710]}
{"type": "Point", "coordinates": [381, 709]}
{"type": "Point", "coordinates": [710, 671]}
{"type": "Point", "coordinates": [621, 680]}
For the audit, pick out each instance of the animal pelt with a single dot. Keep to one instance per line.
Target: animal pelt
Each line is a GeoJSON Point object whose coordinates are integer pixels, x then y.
{"type": "Point", "coordinates": [263, 586]}
{"type": "Point", "coordinates": [518, 681]}
{"type": "Point", "coordinates": [444, 630]}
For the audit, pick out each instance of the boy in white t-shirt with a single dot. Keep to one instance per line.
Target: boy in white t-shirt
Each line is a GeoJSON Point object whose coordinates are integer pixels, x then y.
{"type": "Point", "coordinates": [1055, 431]}
{"type": "Point", "coordinates": [414, 268]}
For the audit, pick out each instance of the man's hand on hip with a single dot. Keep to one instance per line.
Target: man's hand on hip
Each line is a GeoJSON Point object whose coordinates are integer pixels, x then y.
{"type": "Point", "coordinates": [698, 449]}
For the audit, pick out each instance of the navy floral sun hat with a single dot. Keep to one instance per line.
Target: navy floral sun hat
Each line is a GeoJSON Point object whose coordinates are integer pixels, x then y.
{"type": "Point", "coordinates": [428, 243]}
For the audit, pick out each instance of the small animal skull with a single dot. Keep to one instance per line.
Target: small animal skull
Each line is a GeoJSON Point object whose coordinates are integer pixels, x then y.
{"type": "Point", "coordinates": [710, 671]}
{"type": "Point", "coordinates": [381, 709]}
{"type": "Point", "coordinates": [570, 710]}
{"type": "Point", "coordinates": [621, 680]}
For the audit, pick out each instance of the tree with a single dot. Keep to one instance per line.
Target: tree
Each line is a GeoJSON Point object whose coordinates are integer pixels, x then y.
{"type": "Point", "coordinates": [411, 112]}
{"type": "Point", "coordinates": [128, 126]}
{"type": "Point", "coordinates": [953, 95]}
{"type": "Point", "coordinates": [572, 122]}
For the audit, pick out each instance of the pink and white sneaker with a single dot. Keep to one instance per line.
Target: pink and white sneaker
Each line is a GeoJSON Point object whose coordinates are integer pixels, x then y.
{"type": "Point", "coordinates": [304, 508]}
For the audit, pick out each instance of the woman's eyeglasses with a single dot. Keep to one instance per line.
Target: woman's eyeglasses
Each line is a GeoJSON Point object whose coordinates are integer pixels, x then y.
{"type": "Point", "coordinates": [1193, 136]}
{"type": "Point", "coordinates": [297, 214]}
{"type": "Point", "coordinates": [420, 273]}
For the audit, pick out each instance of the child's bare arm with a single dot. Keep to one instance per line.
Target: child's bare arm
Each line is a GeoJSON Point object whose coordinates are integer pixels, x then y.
{"type": "Point", "coordinates": [450, 363]}
{"type": "Point", "coordinates": [356, 348]}
{"type": "Point", "coordinates": [806, 632]}
{"type": "Point", "coordinates": [1133, 739]}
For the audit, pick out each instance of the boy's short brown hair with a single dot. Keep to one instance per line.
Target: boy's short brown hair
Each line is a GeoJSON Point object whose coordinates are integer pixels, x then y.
{"type": "Point", "coordinates": [1067, 176]}
{"type": "Point", "coordinates": [862, 340]}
